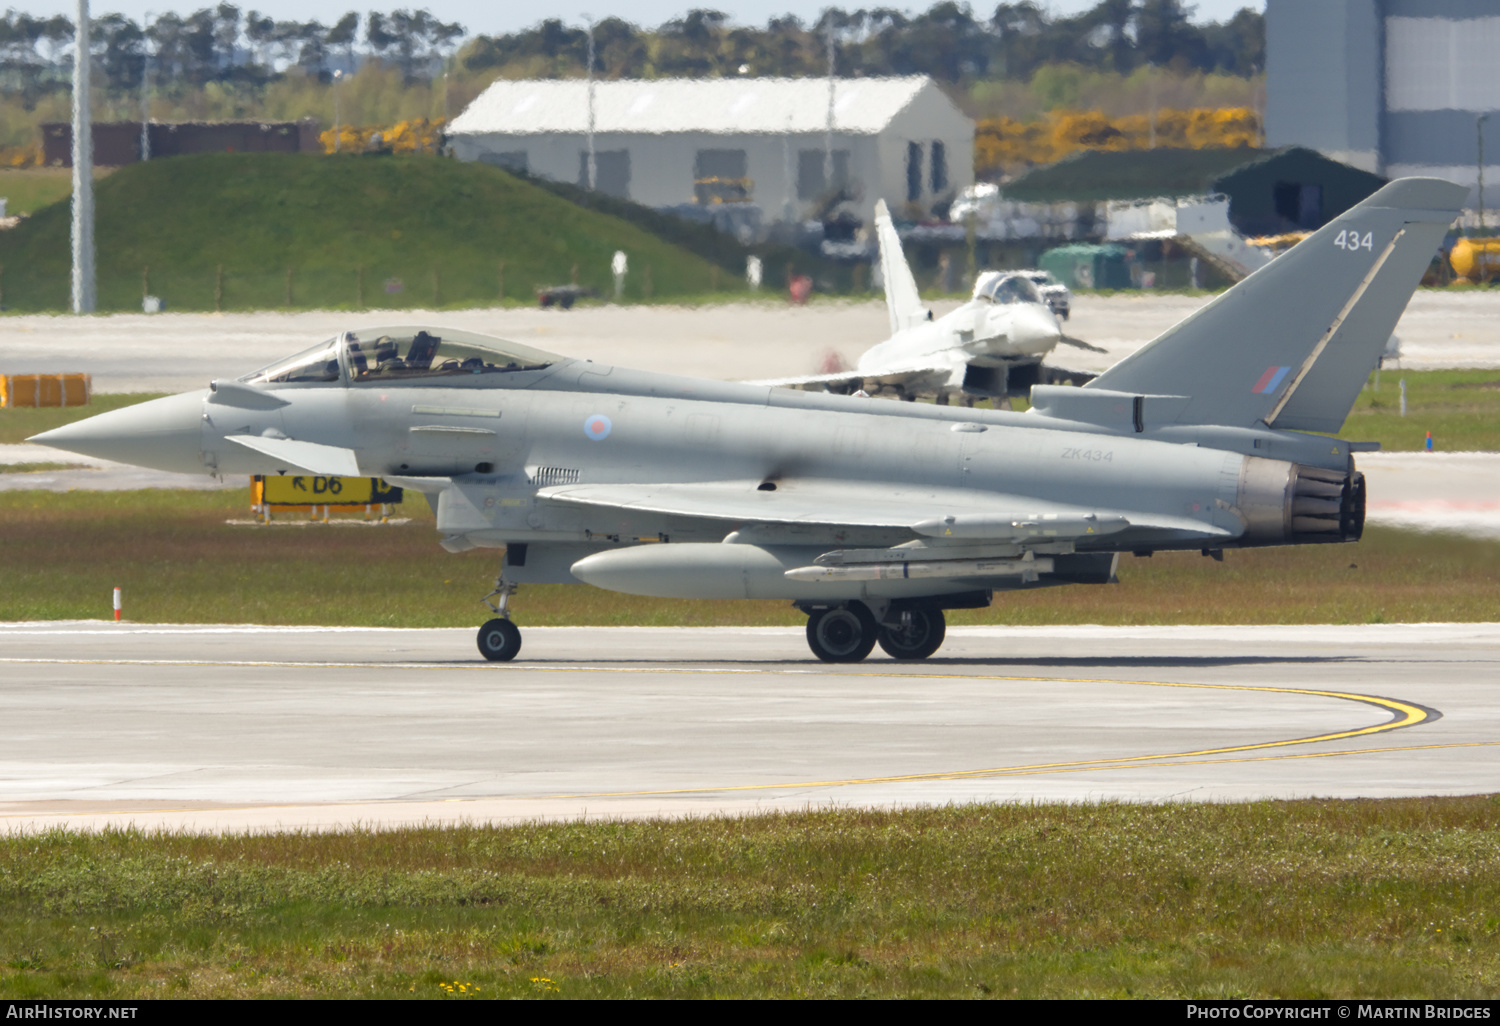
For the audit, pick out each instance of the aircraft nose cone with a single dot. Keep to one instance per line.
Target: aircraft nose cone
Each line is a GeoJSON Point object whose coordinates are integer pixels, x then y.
{"type": "Point", "coordinates": [1037, 324]}
{"type": "Point", "coordinates": [163, 434]}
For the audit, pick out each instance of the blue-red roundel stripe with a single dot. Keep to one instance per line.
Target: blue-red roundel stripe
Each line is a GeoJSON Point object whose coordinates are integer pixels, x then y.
{"type": "Point", "coordinates": [1270, 380]}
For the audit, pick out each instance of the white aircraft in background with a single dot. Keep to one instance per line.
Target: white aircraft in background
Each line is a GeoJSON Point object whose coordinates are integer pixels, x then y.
{"type": "Point", "coordinates": [990, 347]}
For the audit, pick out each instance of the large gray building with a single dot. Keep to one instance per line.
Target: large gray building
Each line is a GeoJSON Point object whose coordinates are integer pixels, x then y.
{"type": "Point", "coordinates": [762, 141]}
{"type": "Point", "coordinates": [1397, 87]}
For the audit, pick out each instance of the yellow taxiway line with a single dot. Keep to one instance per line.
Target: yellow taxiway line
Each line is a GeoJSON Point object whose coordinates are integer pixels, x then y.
{"type": "Point", "coordinates": [1403, 714]}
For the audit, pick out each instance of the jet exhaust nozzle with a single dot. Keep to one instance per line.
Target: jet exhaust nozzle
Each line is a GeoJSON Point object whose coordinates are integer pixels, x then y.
{"type": "Point", "coordinates": [1293, 504]}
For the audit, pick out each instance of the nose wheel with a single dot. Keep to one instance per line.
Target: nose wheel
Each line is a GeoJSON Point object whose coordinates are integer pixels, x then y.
{"type": "Point", "coordinates": [499, 639]}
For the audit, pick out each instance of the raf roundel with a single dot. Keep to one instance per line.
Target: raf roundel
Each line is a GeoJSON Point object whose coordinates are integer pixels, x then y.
{"type": "Point", "coordinates": [597, 427]}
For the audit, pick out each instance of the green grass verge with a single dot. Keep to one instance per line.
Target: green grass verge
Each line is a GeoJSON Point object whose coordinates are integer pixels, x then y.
{"type": "Point", "coordinates": [1460, 407]}
{"type": "Point", "coordinates": [36, 468]}
{"type": "Point", "coordinates": [438, 228]}
{"type": "Point", "coordinates": [27, 190]}
{"type": "Point", "coordinates": [1317, 899]}
{"type": "Point", "coordinates": [61, 553]}
{"type": "Point", "coordinates": [19, 423]}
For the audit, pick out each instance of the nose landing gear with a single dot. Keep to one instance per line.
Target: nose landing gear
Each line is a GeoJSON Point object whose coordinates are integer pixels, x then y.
{"type": "Point", "coordinates": [499, 639]}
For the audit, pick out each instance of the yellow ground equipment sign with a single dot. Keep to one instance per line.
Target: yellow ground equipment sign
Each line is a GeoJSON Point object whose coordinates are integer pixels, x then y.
{"type": "Point", "coordinates": [284, 490]}
{"type": "Point", "coordinates": [325, 495]}
{"type": "Point", "coordinates": [45, 389]}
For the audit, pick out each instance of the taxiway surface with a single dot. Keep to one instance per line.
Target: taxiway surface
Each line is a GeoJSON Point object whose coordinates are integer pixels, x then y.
{"type": "Point", "coordinates": [734, 341]}
{"type": "Point", "coordinates": [234, 728]}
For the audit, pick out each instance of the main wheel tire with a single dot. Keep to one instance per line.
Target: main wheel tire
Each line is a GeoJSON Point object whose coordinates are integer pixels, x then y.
{"type": "Point", "coordinates": [499, 641]}
{"type": "Point", "coordinates": [917, 638]}
{"type": "Point", "coordinates": [842, 635]}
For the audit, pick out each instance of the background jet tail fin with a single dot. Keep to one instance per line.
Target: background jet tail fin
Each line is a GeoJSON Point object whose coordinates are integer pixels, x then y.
{"type": "Point", "coordinates": [1291, 345]}
{"type": "Point", "coordinates": [902, 301]}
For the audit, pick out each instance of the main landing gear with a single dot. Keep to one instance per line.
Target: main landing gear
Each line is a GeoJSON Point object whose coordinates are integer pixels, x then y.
{"type": "Point", "coordinates": [848, 633]}
{"type": "Point", "coordinates": [499, 639]}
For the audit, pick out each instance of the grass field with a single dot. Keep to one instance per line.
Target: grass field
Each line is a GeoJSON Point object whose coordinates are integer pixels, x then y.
{"type": "Point", "coordinates": [32, 468]}
{"type": "Point", "coordinates": [1460, 407]}
{"type": "Point", "coordinates": [178, 561]}
{"type": "Point", "coordinates": [29, 189]}
{"type": "Point", "coordinates": [1317, 899]}
{"type": "Point", "coordinates": [305, 231]}
{"type": "Point", "coordinates": [21, 422]}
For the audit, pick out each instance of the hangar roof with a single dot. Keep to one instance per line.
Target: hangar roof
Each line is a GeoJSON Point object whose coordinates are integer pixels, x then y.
{"type": "Point", "coordinates": [721, 105]}
{"type": "Point", "coordinates": [1263, 185]}
{"type": "Point", "coordinates": [1096, 175]}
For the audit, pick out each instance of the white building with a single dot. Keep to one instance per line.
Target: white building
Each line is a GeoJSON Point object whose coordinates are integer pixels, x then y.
{"type": "Point", "coordinates": [669, 141]}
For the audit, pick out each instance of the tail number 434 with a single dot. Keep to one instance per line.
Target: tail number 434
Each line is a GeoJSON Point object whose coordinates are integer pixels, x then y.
{"type": "Point", "coordinates": [1352, 241]}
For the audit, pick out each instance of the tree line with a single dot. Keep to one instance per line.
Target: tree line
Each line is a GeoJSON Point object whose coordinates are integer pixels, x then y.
{"type": "Point", "coordinates": [221, 44]}
{"type": "Point", "coordinates": [949, 41]}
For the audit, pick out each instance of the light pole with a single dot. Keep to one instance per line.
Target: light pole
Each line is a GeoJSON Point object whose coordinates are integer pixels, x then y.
{"type": "Point", "coordinates": [83, 169]}
{"type": "Point", "coordinates": [828, 126]}
{"type": "Point", "coordinates": [145, 87]}
{"type": "Point", "coordinates": [338, 76]}
{"type": "Point", "coordinates": [1151, 90]}
{"type": "Point", "coordinates": [1479, 129]}
{"type": "Point", "coordinates": [591, 168]}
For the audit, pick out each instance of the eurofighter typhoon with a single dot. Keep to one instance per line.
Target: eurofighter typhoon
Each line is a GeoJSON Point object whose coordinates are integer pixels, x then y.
{"type": "Point", "coordinates": [992, 346]}
{"type": "Point", "coordinates": [871, 516]}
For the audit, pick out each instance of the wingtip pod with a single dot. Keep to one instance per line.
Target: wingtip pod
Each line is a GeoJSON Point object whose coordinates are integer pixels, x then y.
{"type": "Point", "coordinates": [1291, 345]}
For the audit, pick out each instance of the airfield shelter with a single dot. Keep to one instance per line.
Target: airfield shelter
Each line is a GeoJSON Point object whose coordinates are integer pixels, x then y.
{"type": "Point", "coordinates": [759, 146]}
{"type": "Point", "coordinates": [1269, 191]}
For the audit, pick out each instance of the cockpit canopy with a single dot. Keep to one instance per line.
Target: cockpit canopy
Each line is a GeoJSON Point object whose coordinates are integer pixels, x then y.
{"type": "Point", "coordinates": [1000, 287]}
{"type": "Point", "coordinates": [387, 355]}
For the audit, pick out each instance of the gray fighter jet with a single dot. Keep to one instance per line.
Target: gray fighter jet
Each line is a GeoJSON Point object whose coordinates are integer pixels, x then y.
{"type": "Point", "coordinates": [872, 517]}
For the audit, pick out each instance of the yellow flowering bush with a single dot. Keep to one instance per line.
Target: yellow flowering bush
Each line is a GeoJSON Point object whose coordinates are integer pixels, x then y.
{"type": "Point", "coordinates": [1006, 144]}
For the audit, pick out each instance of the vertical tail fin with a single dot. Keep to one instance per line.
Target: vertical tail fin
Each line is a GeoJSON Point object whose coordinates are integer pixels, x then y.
{"type": "Point", "coordinates": [1291, 345]}
{"type": "Point", "coordinates": [902, 300]}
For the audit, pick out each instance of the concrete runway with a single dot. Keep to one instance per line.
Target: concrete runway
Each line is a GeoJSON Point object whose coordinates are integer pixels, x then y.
{"type": "Point", "coordinates": [235, 728]}
{"type": "Point", "coordinates": [736, 341]}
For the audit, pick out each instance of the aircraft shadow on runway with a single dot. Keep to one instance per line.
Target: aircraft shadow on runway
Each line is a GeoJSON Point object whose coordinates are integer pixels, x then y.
{"type": "Point", "coordinates": [1145, 660]}
{"type": "Point", "coordinates": [1174, 662]}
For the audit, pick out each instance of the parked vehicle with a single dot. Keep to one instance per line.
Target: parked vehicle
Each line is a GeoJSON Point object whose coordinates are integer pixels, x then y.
{"type": "Point", "coordinates": [1054, 293]}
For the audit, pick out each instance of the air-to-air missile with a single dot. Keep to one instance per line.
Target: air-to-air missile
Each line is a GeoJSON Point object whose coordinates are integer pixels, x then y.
{"type": "Point", "coordinates": [871, 516]}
